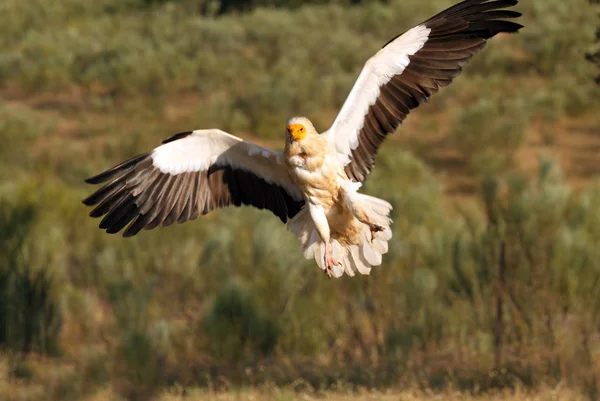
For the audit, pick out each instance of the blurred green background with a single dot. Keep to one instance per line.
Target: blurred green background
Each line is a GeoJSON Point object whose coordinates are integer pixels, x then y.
{"type": "Point", "coordinates": [493, 274]}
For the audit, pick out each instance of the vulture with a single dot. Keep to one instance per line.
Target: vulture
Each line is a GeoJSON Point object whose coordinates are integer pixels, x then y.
{"type": "Point", "coordinates": [312, 185]}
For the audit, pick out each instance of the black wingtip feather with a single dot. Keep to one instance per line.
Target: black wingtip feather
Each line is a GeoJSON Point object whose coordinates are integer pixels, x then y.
{"type": "Point", "coordinates": [178, 136]}
{"type": "Point", "coordinates": [116, 170]}
{"type": "Point", "coordinates": [489, 29]}
{"type": "Point", "coordinates": [129, 213]}
{"type": "Point", "coordinates": [485, 18]}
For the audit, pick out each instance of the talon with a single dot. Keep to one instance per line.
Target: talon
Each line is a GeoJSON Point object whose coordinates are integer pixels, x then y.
{"type": "Point", "coordinates": [374, 230]}
{"type": "Point", "coordinates": [330, 262]}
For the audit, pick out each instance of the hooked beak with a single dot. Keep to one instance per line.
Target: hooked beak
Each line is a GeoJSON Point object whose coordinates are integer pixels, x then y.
{"type": "Point", "coordinates": [296, 131]}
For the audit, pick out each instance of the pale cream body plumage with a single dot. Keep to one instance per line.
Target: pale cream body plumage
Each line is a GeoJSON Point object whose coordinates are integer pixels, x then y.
{"type": "Point", "coordinates": [335, 211]}
{"type": "Point", "coordinates": [313, 184]}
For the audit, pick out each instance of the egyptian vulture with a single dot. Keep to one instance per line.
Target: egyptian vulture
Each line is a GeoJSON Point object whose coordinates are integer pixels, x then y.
{"type": "Point", "coordinates": [313, 184]}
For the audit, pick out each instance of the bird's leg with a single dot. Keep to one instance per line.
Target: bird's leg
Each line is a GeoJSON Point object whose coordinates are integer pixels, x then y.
{"type": "Point", "coordinates": [374, 228]}
{"type": "Point", "coordinates": [360, 213]}
{"type": "Point", "coordinates": [361, 216]}
{"type": "Point", "coordinates": [319, 218]}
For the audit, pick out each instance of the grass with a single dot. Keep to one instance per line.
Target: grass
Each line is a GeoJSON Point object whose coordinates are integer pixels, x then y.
{"type": "Point", "coordinates": [285, 395]}
{"type": "Point", "coordinates": [178, 393]}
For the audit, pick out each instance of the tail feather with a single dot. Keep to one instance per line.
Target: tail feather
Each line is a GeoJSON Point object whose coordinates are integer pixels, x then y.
{"type": "Point", "coordinates": [319, 252]}
{"type": "Point", "coordinates": [361, 265]}
{"type": "Point", "coordinates": [371, 255]}
{"type": "Point", "coordinates": [380, 246]}
{"type": "Point", "coordinates": [310, 247]}
{"type": "Point", "coordinates": [347, 264]}
{"type": "Point", "coordinates": [378, 205]}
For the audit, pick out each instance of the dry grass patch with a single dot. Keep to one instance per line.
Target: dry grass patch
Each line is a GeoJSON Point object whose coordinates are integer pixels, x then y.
{"type": "Point", "coordinates": [278, 394]}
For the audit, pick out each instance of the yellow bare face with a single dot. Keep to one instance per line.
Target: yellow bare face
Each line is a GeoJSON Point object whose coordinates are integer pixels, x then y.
{"type": "Point", "coordinates": [297, 131]}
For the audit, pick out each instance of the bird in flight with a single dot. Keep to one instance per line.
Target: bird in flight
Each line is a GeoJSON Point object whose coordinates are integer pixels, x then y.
{"type": "Point", "coordinates": [313, 184]}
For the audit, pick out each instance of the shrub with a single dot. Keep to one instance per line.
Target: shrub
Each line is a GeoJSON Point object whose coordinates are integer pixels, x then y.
{"type": "Point", "coordinates": [139, 365]}
{"type": "Point", "coordinates": [30, 317]}
{"type": "Point", "coordinates": [236, 329]}
{"type": "Point", "coordinates": [490, 131]}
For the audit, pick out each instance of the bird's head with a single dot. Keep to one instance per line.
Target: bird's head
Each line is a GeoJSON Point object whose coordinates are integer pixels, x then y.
{"type": "Point", "coordinates": [298, 128]}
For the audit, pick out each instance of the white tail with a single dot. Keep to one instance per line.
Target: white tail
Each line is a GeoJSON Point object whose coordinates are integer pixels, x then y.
{"type": "Point", "coordinates": [353, 258]}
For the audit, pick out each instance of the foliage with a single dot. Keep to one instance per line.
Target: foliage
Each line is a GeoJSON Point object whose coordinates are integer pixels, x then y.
{"type": "Point", "coordinates": [236, 330]}
{"type": "Point", "coordinates": [594, 55]}
{"type": "Point", "coordinates": [30, 318]}
{"type": "Point", "coordinates": [489, 146]}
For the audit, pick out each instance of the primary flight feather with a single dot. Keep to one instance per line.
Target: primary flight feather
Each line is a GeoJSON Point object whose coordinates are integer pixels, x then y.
{"type": "Point", "coordinates": [313, 184]}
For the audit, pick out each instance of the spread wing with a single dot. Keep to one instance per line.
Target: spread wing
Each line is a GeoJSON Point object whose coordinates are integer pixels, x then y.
{"type": "Point", "coordinates": [406, 72]}
{"type": "Point", "coordinates": [189, 175]}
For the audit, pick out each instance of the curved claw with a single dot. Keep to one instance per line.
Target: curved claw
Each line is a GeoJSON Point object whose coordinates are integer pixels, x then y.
{"type": "Point", "coordinates": [375, 229]}
{"type": "Point", "coordinates": [330, 262]}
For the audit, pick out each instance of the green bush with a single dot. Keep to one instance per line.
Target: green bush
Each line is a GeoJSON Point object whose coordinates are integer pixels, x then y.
{"type": "Point", "coordinates": [236, 329]}
{"type": "Point", "coordinates": [30, 316]}
{"type": "Point", "coordinates": [490, 131]}
{"type": "Point", "coordinates": [139, 365]}
{"type": "Point", "coordinates": [19, 129]}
